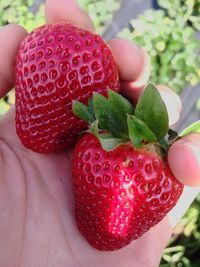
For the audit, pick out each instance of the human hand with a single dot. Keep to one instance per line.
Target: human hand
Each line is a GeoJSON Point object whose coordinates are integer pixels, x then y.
{"type": "Point", "coordinates": [37, 226]}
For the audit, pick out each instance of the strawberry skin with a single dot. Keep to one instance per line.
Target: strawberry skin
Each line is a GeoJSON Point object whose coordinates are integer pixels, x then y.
{"type": "Point", "coordinates": [120, 194]}
{"type": "Point", "coordinates": [56, 64]}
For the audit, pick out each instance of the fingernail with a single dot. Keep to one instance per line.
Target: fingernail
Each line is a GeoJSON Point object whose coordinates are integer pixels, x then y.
{"type": "Point", "coordinates": [172, 102]}
{"type": "Point", "coordinates": [184, 160]}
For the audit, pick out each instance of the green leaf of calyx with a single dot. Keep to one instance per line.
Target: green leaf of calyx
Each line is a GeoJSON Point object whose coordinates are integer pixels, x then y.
{"type": "Point", "coordinates": [152, 111]}
{"type": "Point", "coordinates": [82, 111]}
{"type": "Point", "coordinates": [90, 106]}
{"type": "Point", "coordinates": [120, 103]}
{"type": "Point", "coordinates": [139, 132]}
{"type": "Point", "coordinates": [193, 128]}
{"type": "Point", "coordinates": [172, 135]}
{"type": "Point", "coordinates": [111, 113]}
{"type": "Point", "coordinates": [108, 142]}
{"type": "Point", "coordinates": [164, 145]}
{"type": "Point", "coordinates": [94, 128]}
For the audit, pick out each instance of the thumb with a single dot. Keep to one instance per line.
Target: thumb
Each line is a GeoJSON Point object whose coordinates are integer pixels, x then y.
{"type": "Point", "coordinates": [10, 38]}
{"type": "Point", "coordinates": [184, 161]}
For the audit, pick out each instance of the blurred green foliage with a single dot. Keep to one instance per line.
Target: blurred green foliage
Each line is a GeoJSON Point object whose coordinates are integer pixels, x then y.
{"type": "Point", "coordinates": [183, 249]}
{"type": "Point", "coordinates": [198, 104]}
{"type": "Point", "coordinates": [173, 51]}
{"type": "Point", "coordinates": [20, 11]}
{"type": "Point", "coordinates": [100, 11]}
{"type": "Point", "coordinates": [4, 106]}
{"type": "Point", "coordinates": [189, 9]}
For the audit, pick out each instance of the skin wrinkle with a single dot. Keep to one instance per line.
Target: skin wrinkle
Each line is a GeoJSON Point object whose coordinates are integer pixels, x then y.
{"type": "Point", "coordinates": [52, 199]}
{"type": "Point", "coordinates": [59, 216]}
{"type": "Point", "coordinates": [66, 235]}
{"type": "Point", "coordinates": [42, 179]}
{"type": "Point", "coordinates": [29, 196]}
{"type": "Point", "coordinates": [142, 260]}
{"type": "Point", "coordinates": [32, 204]}
{"type": "Point", "coordinates": [48, 252]}
{"type": "Point", "coordinates": [10, 148]}
{"type": "Point", "coordinates": [150, 262]}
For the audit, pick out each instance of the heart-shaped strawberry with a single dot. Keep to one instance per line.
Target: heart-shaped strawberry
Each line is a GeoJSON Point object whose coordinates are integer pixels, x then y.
{"type": "Point", "coordinates": [58, 63]}
{"type": "Point", "coordinates": [122, 181]}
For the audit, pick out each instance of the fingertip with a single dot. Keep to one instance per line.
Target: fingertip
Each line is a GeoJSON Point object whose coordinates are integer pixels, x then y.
{"type": "Point", "coordinates": [128, 57]}
{"type": "Point", "coordinates": [69, 11]}
{"type": "Point", "coordinates": [145, 70]}
{"type": "Point", "coordinates": [172, 102]}
{"type": "Point", "coordinates": [132, 89]}
{"type": "Point", "coordinates": [13, 26]}
{"type": "Point", "coordinates": [184, 159]}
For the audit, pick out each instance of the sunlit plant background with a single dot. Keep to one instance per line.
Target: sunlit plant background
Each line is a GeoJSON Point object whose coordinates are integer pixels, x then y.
{"type": "Point", "coordinates": [169, 34]}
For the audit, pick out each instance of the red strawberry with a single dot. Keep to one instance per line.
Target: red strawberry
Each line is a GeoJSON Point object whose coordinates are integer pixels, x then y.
{"type": "Point", "coordinates": [120, 194]}
{"type": "Point", "coordinates": [122, 181]}
{"type": "Point", "coordinates": [58, 63]}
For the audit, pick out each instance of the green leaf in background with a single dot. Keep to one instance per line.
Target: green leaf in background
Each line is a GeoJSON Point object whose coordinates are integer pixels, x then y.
{"type": "Point", "coordinates": [173, 52]}
{"type": "Point", "coordinates": [198, 104]}
{"type": "Point", "coordinates": [100, 11]}
{"type": "Point", "coordinates": [193, 128]}
{"type": "Point", "coordinates": [189, 10]}
{"type": "Point", "coordinates": [4, 107]}
{"type": "Point", "coordinates": [5, 3]}
{"type": "Point", "coordinates": [152, 111]}
{"type": "Point", "coordinates": [21, 12]}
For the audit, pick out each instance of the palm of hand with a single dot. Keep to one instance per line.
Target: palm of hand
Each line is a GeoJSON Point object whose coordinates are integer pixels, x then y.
{"type": "Point", "coordinates": [37, 226]}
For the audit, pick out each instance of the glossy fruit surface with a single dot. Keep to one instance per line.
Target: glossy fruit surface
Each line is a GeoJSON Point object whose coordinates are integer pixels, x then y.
{"type": "Point", "coordinates": [56, 64]}
{"type": "Point", "coordinates": [120, 194]}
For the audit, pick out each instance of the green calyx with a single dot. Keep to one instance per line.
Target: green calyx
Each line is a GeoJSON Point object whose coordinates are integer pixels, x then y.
{"type": "Point", "coordinates": [114, 121]}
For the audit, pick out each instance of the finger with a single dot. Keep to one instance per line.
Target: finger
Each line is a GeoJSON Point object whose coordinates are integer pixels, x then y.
{"type": "Point", "coordinates": [134, 88]}
{"type": "Point", "coordinates": [172, 102]}
{"type": "Point", "coordinates": [184, 159]}
{"type": "Point", "coordinates": [10, 39]}
{"type": "Point", "coordinates": [133, 64]}
{"type": "Point", "coordinates": [67, 10]}
{"type": "Point", "coordinates": [134, 71]}
{"type": "Point", "coordinates": [128, 57]}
